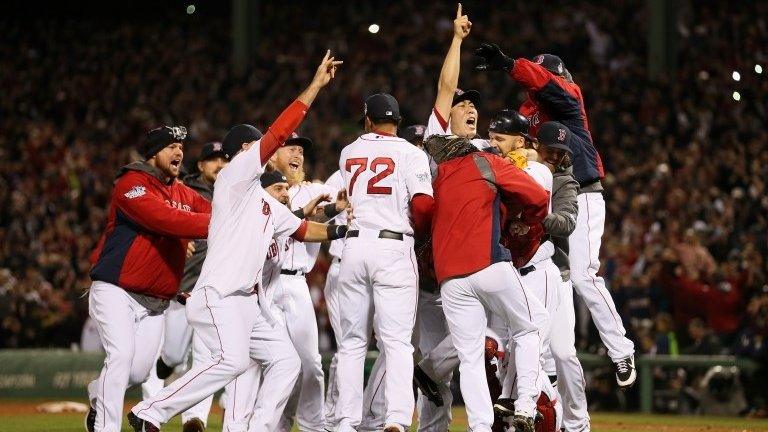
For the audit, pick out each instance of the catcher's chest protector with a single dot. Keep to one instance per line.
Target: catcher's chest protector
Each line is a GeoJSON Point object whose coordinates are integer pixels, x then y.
{"type": "Point", "coordinates": [548, 419]}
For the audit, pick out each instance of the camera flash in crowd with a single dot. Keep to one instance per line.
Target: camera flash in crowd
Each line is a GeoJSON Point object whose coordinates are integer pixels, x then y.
{"type": "Point", "coordinates": [373, 28]}
{"type": "Point", "coordinates": [190, 9]}
{"type": "Point", "coordinates": [736, 96]}
{"type": "Point", "coordinates": [736, 76]}
{"type": "Point", "coordinates": [758, 69]}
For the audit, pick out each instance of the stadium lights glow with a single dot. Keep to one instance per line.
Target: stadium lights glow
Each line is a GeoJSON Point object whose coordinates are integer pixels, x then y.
{"type": "Point", "coordinates": [736, 76]}
{"type": "Point", "coordinates": [736, 96]}
{"type": "Point", "coordinates": [190, 9]}
{"type": "Point", "coordinates": [758, 69]}
{"type": "Point", "coordinates": [703, 75]}
{"type": "Point", "coordinates": [373, 28]}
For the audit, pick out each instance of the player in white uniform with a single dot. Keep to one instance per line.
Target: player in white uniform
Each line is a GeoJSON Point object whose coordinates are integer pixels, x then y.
{"type": "Point", "coordinates": [294, 297]}
{"type": "Point", "coordinates": [223, 308]}
{"type": "Point", "coordinates": [331, 293]}
{"type": "Point", "coordinates": [240, 410]}
{"type": "Point", "coordinates": [384, 176]}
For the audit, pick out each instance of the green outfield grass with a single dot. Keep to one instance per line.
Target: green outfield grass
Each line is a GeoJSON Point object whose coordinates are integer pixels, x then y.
{"type": "Point", "coordinates": [17, 416]}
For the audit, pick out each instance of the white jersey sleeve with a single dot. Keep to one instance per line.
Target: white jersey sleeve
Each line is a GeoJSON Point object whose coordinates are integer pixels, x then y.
{"type": "Point", "coordinates": [285, 222]}
{"type": "Point", "coordinates": [436, 125]}
{"type": "Point", "coordinates": [245, 166]}
{"type": "Point", "coordinates": [543, 176]}
{"type": "Point", "coordinates": [418, 179]}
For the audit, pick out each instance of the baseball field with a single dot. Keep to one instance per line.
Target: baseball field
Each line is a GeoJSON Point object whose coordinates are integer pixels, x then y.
{"type": "Point", "coordinates": [23, 416]}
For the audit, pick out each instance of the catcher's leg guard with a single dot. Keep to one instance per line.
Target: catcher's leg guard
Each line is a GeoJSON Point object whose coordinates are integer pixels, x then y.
{"type": "Point", "coordinates": [546, 418]}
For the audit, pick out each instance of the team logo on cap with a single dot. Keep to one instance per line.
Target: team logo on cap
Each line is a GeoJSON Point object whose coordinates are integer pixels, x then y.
{"type": "Point", "coordinates": [420, 129]}
{"type": "Point", "coordinates": [560, 134]}
{"type": "Point", "coordinates": [217, 147]}
{"type": "Point", "coordinates": [539, 59]}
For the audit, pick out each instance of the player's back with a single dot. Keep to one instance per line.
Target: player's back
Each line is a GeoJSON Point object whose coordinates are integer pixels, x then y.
{"type": "Point", "coordinates": [382, 173]}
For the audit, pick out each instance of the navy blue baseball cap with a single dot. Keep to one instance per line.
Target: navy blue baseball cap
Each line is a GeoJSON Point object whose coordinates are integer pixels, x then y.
{"type": "Point", "coordinates": [237, 136]}
{"type": "Point", "coordinates": [470, 95]}
{"type": "Point", "coordinates": [551, 63]}
{"type": "Point", "coordinates": [555, 135]}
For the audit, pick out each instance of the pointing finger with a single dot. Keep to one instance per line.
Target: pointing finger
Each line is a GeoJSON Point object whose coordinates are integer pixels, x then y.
{"type": "Point", "coordinates": [458, 11]}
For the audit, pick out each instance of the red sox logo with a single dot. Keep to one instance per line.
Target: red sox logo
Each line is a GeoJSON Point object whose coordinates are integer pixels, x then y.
{"type": "Point", "coordinates": [273, 250]}
{"type": "Point", "coordinates": [539, 59]}
{"type": "Point", "coordinates": [561, 134]}
{"type": "Point", "coordinates": [265, 209]}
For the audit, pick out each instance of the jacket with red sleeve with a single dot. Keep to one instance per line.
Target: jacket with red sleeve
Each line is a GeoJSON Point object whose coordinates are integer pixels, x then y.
{"type": "Point", "coordinates": [143, 247]}
{"type": "Point", "coordinates": [471, 196]}
{"type": "Point", "coordinates": [552, 97]}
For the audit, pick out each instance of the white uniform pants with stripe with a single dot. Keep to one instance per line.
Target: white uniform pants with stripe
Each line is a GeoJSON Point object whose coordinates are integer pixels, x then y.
{"type": "Point", "coordinates": [233, 328]}
{"type": "Point", "coordinates": [466, 302]}
{"type": "Point", "coordinates": [432, 338]}
{"type": "Point", "coordinates": [298, 312]}
{"type": "Point", "coordinates": [584, 256]}
{"type": "Point", "coordinates": [257, 399]}
{"type": "Point", "coordinates": [332, 307]}
{"type": "Point", "coordinates": [378, 290]}
{"type": "Point", "coordinates": [131, 337]}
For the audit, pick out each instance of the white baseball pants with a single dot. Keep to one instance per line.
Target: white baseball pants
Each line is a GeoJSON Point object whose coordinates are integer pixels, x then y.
{"type": "Point", "coordinates": [298, 312]}
{"type": "Point", "coordinates": [432, 331]}
{"type": "Point", "coordinates": [332, 307]}
{"type": "Point", "coordinates": [178, 336]}
{"type": "Point", "coordinates": [570, 376]}
{"type": "Point", "coordinates": [257, 398]}
{"type": "Point", "coordinates": [376, 275]}
{"type": "Point", "coordinates": [499, 289]}
{"type": "Point", "coordinates": [131, 337]}
{"type": "Point", "coordinates": [233, 328]}
{"type": "Point", "coordinates": [584, 256]}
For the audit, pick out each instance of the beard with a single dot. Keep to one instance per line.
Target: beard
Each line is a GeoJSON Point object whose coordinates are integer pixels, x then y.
{"type": "Point", "coordinates": [295, 177]}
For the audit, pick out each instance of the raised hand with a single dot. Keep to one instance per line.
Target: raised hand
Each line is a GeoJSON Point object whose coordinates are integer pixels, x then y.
{"type": "Point", "coordinates": [461, 25]}
{"type": "Point", "coordinates": [327, 70]}
{"type": "Point", "coordinates": [490, 57]}
{"type": "Point", "coordinates": [342, 201]}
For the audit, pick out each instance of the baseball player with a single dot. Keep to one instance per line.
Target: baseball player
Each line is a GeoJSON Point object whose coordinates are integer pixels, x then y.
{"type": "Point", "coordinates": [553, 96]}
{"type": "Point", "coordinates": [294, 298]}
{"type": "Point", "coordinates": [474, 272]}
{"type": "Point", "coordinates": [178, 338]}
{"type": "Point", "coordinates": [331, 294]}
{"type": "Point", "coordinates": [223, 308]}
{"type": "Point", "coordinates": [137, 266]}
{"type": "Point", "coordinates": [245, 406]}
{"type": "Point", "coordinates": [455, 111]}
{"type": "Point", "coordinates": [388, 183]}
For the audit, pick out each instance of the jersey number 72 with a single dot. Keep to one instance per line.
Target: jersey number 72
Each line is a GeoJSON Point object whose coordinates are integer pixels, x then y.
{"type": "Point", "coordinates": [362, 164]}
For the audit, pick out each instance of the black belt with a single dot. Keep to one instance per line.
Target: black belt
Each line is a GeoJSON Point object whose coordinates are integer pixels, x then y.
{"type": "Point", "coordinates": [525, 270]}
{"type": "Point", "coordinates": [383, 234]}
{"type": "Point", "coordinates": [292, 272]}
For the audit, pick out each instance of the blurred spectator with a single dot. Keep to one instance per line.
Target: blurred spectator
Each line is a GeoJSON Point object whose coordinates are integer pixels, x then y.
{"type": "Point", "coordinates": [704, 341]}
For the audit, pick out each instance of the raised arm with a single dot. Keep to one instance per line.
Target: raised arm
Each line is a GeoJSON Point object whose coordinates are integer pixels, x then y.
{"type": "Point", "coordinates": [449, 74]}
{"type": "Point", "coordinates": [292, 116]}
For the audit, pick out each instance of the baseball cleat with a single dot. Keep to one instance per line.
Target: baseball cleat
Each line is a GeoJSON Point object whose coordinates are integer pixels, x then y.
{"type": "Point", "coordinates": [194, 425]}
{"type": "Point", "coordinates": [523, 423]}
{"type": "Point", "coordinates": [504, 407]}
{"type": "Point", "coordinates": [90, 420]}
{"type": "Point", "coordinates": [141, 425]}
{"type": "Point", "coordinates": [163, 370]}
{"type": "Point", "coordinates": [625, 372]}
{"type": "Point", "coordinates": [428, 386]}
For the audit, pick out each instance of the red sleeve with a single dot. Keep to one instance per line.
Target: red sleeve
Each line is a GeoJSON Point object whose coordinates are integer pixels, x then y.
{"type": "Point", "coordinates": [421, 213]}
{"type": "Point", "coordinates": [531, 75]}
{"type": "Point", "coordinates": [282, 128]}
{"type": "Point", "coordinates": [301, 231]}
{"type": "Point", "coordinates": [139, 202]}
{"type": "Point", "coordinates": [522, 189]}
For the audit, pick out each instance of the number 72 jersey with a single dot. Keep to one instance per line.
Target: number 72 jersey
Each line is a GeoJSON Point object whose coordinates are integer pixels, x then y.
{"type": "Point", "coordinates": [382, 174]}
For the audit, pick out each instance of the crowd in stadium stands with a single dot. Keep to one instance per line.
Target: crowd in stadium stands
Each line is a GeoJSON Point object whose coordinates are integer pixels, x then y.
{"type": "Point", "coordinates": [686, 232]}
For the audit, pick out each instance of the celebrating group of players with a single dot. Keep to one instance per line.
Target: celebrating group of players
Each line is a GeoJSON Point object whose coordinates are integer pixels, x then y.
{"type": "Point", "coordinates": [453, 250]}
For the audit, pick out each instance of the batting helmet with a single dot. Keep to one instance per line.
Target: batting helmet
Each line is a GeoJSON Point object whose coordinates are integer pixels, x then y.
{"type": "Point", "coordinates": [510, 122]}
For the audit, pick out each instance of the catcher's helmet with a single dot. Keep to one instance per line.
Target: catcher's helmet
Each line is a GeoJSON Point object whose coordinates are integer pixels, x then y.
{"type": "Point", "coordinates": [510, 122]}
